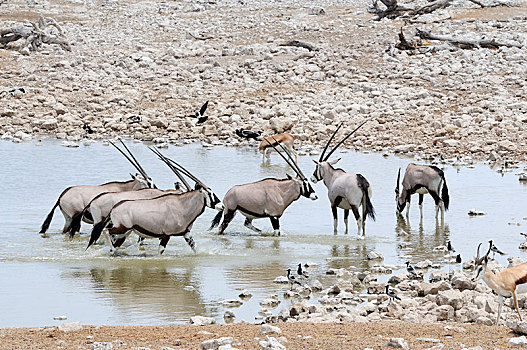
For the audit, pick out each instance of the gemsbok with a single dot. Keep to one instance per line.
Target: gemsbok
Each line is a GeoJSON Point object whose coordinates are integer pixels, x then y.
{"type": "Point", "coordinates": [505, 283]}
{"type": "Point", "coordinates": [422, 179]}
{"type": "Point", "coordinates": [74, 199]}
{"type": "Point", "coordinates": [267, 198]}
{"type": "Point", "coordinates": [345, 190]}
{"type": "Point", "coordinates": [286, 140]}
{"type": "Point", "coordinates": [102, 204]}
{"type": "Point", "coordinates": [161, 217]}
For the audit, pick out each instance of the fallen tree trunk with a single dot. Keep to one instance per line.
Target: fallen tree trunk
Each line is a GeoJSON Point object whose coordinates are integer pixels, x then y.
{"type": "Point", "coordinates": [45, 31]}
{"type": "Point", "coordinates": [394, 10]}
{"type": "Point", "coordinates": [465, 43]}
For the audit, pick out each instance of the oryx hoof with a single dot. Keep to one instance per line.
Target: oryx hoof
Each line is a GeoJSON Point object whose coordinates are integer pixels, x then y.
{"type": "Point", "coordinates": [361, 238]}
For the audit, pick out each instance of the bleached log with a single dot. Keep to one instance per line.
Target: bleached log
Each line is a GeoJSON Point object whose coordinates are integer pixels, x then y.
{"type": "Point", "coordinates": [36, 34]}
{"type": "Point", "coordinates": [465, 43]}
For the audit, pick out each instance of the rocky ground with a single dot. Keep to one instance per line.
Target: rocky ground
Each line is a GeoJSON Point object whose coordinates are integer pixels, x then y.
{"type": "Point", "coordinates": [162, 60]}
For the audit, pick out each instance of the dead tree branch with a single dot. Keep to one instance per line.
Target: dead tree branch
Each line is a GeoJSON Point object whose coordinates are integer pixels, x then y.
{"type": "Point", "coordinates": [299, 43]}
{"type": "Point", "coordinates": [45, 31]}
{"type": "Point", "coordinates": [394, 10]}
{"type": "Point", "coordinates": [465, 43]}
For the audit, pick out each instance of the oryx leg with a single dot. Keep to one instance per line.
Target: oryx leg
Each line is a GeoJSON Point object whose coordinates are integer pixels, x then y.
{"type": "Point", "coordinates": [421, 197]}
{"type": "Point", "coordinates": [275, 221]}
{"type": "Point", "coordinates": [437, 201]}
{"type": "Point", "coordinates": [248, 224]}
{"type": "Point", "coordinates": [140, 240]}
{"type": "Point", "coordinates": [363, 216]}
{"type": "Point", "coordinates": [108, 239]}
{"type": "Point", "coordinates": [190, 241]}
{"type": "Point", "coordinates": [346, 215]}
{"type": "Point", "coordinates": [163, 241]}
{"type": "Point", "coordinates": [335, 218]}
{"type": "Point", "coordinates": [356, 213]}
{"type": "Point", "coordinates": [516, 304]}
{"type": "Point", "coordinates": [500, 304]}
{"type": "Point", "coordinates": [67, 224]}
{"type": "Point", "coordinates": [228, 215]}
{"type": "Point", "coordinates": [119, 235]}
{"type": "Point", "coordinates": [408, 207]}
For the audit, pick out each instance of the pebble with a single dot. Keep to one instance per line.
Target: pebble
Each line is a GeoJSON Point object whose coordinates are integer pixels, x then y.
{"type": "Point", "coordinates": [101, 346]}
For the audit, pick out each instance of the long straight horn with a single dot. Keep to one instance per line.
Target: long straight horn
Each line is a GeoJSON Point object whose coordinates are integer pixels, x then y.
{"type": "Point", "coordinates": [174, 169]}
{"type": "Point", "coordinates": [290, 157]}
{"type": "Point", "coordinates": [130, 160]}
{"type": "Point", "coordinates": [343, 140]}
{"type": "Point", "coordinates": [186, 172]}
{"type": "Point", "coordinates": [132, 155]}
{"type": "Point", "coordinates": [329, 141]}
{"type": "Point", "coordinates": [477, 253]}
{"type": "Point", "coordinates": [398, 179]}
{"type": "Point", "coordinates": [287, 160]}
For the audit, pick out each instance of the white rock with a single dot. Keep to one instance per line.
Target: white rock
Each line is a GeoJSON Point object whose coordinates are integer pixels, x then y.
{"type": "Point", "coordinates": [267, 328]}
{"type": "Point", "coordinates": [518, 341]}
{"type": "Point", "coordinates": [202, 320]}
{"type": "Point", "coordinates": [397, 343]}
{"type": "Point", "coordinates": [270, 343]}
{"type": "Point", "coordinates": [374, 256]}
{"type": "Point", "coordinates": [102, 346]}
{"type": "Point", "coordinates": [71, 326]}
{"type": "Point", "coordinates": [474, 212]}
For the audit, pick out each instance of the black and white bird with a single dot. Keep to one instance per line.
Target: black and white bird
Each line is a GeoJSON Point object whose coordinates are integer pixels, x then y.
{"type": "Point", "coordinates": [292, 279]}
{"type": "Point", "coordinates": [248, 134]}
{"type": "Point", "coordinates": [202, 118]}
{"type": "Point", "coordinates": [87, 128]}
{"type": "Point", "coordinates": [458, 259]}
{"type": "Point", "coordinates": [134, 119]}
{"type": "Point", "coordinates": [495, 250]}
{"type": "Point", "coordinates": [410, 269]}
{"type": "Point", "coordinates": [524, 235]}
{"type": "Point", "coordinates": [12, 91]}
{"type": "Point", "coordinates": [391, 293]}
{"type": "Point", "coordinates": [450, 247]}
{"type": "Point", "coordinates": [302, 272]}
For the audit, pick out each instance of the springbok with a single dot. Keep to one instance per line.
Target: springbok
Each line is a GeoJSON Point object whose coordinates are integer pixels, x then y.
{"type": "Point", "coordinates": [267, 198]}
{"type": "Point", "coordinates": [286, 140]}
{"type": "Point", "coordinates": [161, 217]}
{"type": "Point", "coordinates": [422, 179]}
{"type": "Point", "coordinates": [102, 204]}
{"type": "Point", "coordinates": [505, 283]}
{"type": "Point", "coordinates": [73, 200]}
{"type": "Point", "coordinates": [345, 190]}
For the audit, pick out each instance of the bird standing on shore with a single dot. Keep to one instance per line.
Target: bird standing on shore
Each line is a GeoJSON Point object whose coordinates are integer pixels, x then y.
{"type": "Point", "coordinates": [495, 250]}
{"type": "Point", "coordinates": [87, 128]}
{"type": "Point", "coordinates": [202, 118]}
{"type": "Point", "coordinates": [391, 294]}
{"type": "Point", "coordinates": [450, 247]}
{"type": "Point", "coordinates": [248, 134]}
{"type": "Point", "coordinates": [292, 280]}
{"type": "Point", "coordinates": [458, 259]}
{"type": "Point", "coordinates": [410, 269]}
{"type": "Point", "coordinates": [302, 272]}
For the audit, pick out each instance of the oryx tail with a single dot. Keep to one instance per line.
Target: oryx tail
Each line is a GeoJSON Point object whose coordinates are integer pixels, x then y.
{"type": "Point", "coordinates": [97, 230]}
{"type": "Point", "coordinates": [364, 185]}
{"type": "Point", "coordinates": [216, 221]}
{"type": "Point", "coordinates": [47, 222]}
{"type": "Point", "coordinates": [75, 225]}
{"type": "Point", "coordinates": [444, 191]}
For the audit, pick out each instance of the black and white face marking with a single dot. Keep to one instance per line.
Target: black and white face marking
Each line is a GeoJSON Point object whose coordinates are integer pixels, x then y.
{"type": "Point", "coordinates": [317, 176]}
{"type": "Point", "coordinates": [211, 200]}
{"type": "Point", "coordinates": [307, 191]}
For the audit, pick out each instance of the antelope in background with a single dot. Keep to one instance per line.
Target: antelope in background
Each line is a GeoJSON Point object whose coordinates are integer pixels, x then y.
{"type": "Point", "coordinates": [286, 140]}
{"type": "Point", "coordinates": [345, 190]}
{"type": "Point", "coordinates": [161, 217]}
{"type": "Point", "coordinates": [422, 179]}
{"type": "Point", "coordinates": [268, 198]}
{"type": "Point", "coordinates": [73, 200]}
{"type": "Point", "coordinates": [505, 283]}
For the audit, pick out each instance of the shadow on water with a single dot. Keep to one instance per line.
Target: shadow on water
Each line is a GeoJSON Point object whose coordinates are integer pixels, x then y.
{"type": "Point", "coordinates": [140, 287]}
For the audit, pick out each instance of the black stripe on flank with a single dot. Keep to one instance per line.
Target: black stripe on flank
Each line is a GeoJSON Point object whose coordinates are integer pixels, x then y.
{"type": "Point", "coordinates": [256, 215]}
{"type": "Point", "coordinates": [521, 280]}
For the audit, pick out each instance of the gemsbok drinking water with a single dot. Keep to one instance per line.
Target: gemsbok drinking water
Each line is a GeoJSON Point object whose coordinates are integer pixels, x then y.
{"type": "Point", "coordinates": [422, 179]}
{"type": "Point", "coordinates": [161, 217]}
{"type": "Point", "coordinates": [73, 200]}
{"type": "Point", "coordinates": [267, 198]}
{"type": "Point", "coordinates": [345, 190]}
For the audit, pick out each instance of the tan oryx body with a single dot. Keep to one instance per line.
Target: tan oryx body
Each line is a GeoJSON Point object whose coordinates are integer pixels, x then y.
{"type": "Point", "coordinates": [101, 205]}
{"type": "Point", "coordinates": [286, 140]}
{"type": "Point", "coordinates": [422, 179]}
{"type": "Point", "coordinates": [268, 198]}
{"type": "Point", "coordinates": [506, 283]}
{"type": "Point", "coordinates": [347, 191]}
{"type": "Point", "coordinates": [161, 217]}
{"type": "Point", "coordinates": [73, 200]}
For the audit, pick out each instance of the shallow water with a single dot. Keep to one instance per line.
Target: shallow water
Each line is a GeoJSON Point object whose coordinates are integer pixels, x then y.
{"type": "Point", "coordinates": [46, 277]}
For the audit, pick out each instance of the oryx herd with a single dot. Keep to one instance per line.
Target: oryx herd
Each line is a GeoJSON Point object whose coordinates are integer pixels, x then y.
{"type": "Point", "coordinates": [117, 209]}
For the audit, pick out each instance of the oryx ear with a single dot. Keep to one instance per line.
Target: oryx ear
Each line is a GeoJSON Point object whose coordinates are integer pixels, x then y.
{"type": "Point", "coordinates": [333, 162]}
{"type": "Point", "coordinates": [316, 161]}
{"type": "Point", "coordinates": [133, 176]}
{"type": "Point", "coordinates": [289, 177]}
{"type": "Point", "coordinates": [177, 186]}
{"type": "Point", "coordinates": [197, 186]}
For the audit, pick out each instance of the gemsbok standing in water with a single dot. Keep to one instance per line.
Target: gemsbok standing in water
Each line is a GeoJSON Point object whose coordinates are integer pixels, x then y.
{"type": "Point", "coordinates": [73, 200]}
{"type": "Point", "coordinates": [422, 179]}
{"type": "Point", "coordinates": [345, 190]}
{"type": "Point", "coordinates": [506, 283]}
{"type": "Point", "coordinates": [268, 198]}
{"type": "Point", "coordinates": [162, 217]}
{"type": "Point", "coordinates": [101, 205]}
